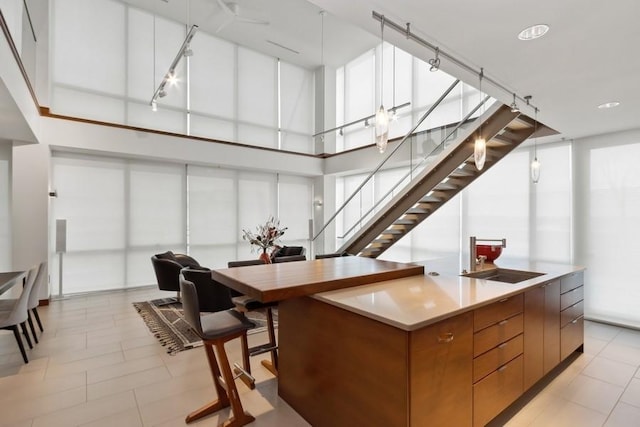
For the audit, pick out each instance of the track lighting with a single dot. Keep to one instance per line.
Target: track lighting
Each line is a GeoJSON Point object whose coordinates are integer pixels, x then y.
{"type": "Point", "coordinates": [514, 106]}
{"type": "Point", "coordinates": [171, 77]}
{"type": "Point", "coordinates": [435, 62]}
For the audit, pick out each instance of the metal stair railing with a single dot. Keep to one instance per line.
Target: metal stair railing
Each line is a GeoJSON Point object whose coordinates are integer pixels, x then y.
{"type": "Point", "coordinates": [384, 161]}
{"type": "Point", "coordinates": [423, 161]}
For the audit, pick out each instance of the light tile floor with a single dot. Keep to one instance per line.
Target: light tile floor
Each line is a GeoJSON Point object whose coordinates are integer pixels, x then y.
{"type": "Point", "coordinates": [97, 364]}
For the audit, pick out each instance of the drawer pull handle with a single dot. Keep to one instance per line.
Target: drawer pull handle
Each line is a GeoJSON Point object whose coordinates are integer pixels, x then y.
{"type": "Point", "coordinates": [503, 345]}
{"type": "Point", "coordinates": [578, 303]}
{"type": "Point", "coordinates": [574, 321]}
{"type": "Point", "coordinates": [445, 338]}
{"type": "Point", "coordinates": [504, 300]}
{"type": "Point", "coordinates": [502, 368]}
{"type": "Point", "coordinates": [503, 322]}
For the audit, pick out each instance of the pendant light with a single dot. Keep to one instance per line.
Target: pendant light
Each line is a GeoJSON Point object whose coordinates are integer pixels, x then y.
{"type": "Point", "coordinates": [480, 146]}
{"type": "Point", "coordinates": [535, 164]}
{"type": "Point", "coordinates": [382, 117]}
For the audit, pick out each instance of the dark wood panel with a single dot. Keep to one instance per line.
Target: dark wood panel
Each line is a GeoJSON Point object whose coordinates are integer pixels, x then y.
{"type": "Point", "coordinates": [441, 357]}
{"type": "Point", "coordinates": [533, 336]}
{"type": "Point", "coordinates": [497, 391]}
{"type": "Point", "coordinates": [569, 314]}
{"type": "Point", "coordinates": [488, 362]}
{"type": "Point", "coordinates": [277, 282]}
{"type": "Point", "coordinates": [571, 337]}
{"type": "Point", "coordinates": [494, 313]}
{"type": "Point", "coordinates": [571, 281]}
{"type": "Point", "coordinates": [551, 325]}
{"type": "Point", "coordinates": [492, 336]}
{"type": "Point", "coordinates": [573, 296]}
{"type": "Point", "coordinates": [341, 369]}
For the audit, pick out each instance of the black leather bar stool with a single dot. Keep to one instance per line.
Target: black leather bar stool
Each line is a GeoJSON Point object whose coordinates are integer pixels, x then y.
{"type": "Point", "coordinates": [216, 329]}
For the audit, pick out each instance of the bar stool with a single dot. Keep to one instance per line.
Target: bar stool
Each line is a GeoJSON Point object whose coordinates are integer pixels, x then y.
{"type": "Point", "coordinates": [245, 304]}
{"type": "Point", "coordinates": [215, 329]}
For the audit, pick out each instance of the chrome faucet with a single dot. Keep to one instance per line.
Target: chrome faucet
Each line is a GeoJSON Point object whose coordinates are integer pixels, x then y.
{"type": "Point", "coordinates": [473, 254]}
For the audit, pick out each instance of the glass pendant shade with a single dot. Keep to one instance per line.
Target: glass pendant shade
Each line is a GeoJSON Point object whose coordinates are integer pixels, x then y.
{"type": "Point", "coordinates": [382, 129]}
{"type": "Point", "coordinates": [480, 153]}
{"type": "Point", "coordinates": [535, 170]}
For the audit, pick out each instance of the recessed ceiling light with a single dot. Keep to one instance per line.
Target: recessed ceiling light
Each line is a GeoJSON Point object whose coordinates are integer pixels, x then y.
{"type": "Point", "coordinates": [533, 32]}
{"type": "Point", "coordinates": [606, 105]}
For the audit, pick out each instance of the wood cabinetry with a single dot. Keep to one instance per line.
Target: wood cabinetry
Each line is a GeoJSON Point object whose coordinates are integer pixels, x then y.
{"type": "Point", "coordinates": [571, 314]}
{"type": "Point", "coordinates": [439, 376]}
{"type": "Point", "coordinates": [342, 369]}
{"type": "Point", "coordinates": [541, 331]}
{"type": "Point", "coordinates": [498, 359]}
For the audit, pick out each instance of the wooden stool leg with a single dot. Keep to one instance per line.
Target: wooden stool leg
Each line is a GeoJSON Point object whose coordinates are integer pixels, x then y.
{"type": "Point", "coordinates": [240, 417]}
{"type": "Point", "coordinates": [245, 373]}
{"type": "Point", "coordinates": [222, 401]}
{"type": "Point", "coordinates": [273, 364]}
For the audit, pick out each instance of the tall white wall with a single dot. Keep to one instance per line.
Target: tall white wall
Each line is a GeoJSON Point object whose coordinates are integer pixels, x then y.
{"type": "Point", "coordinates": [30, 206]}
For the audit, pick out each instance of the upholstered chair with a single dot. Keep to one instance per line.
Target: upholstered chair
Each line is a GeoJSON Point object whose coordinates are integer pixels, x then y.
{"type": "Point", "coordinates": [216, 329]}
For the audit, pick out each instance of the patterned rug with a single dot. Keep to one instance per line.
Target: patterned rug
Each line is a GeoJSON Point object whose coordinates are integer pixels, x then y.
{"type": "Point", "coordinates": [165, 319]}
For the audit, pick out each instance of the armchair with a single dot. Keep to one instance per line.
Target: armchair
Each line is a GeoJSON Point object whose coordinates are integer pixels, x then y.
{"type": "Point", "coordinates": [288, 251]}
{"type": "Point", "coordinates": [167, 267]}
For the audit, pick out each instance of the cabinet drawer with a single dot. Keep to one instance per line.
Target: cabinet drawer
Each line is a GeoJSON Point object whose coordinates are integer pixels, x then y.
{"type": "Point", "coordinates": [573, 296]}
{"type": "Point", "coordinates": [495, 392]}
{"type": "Point", "coordinates": [492, 336]}
{"type": "Point", "coordinates": [494, 313]}
{"type": "Point", "coordinates": [571, 281]}
{"type": "Point", "coordinates": [571, 313]}
{"type": "Point", "coordinates": [488, 362]}
{"type": "Point", "coordinates": [571, 337]}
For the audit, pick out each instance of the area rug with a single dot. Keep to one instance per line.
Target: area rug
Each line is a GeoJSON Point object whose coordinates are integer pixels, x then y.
{"type": "Point", "coordinates": [165, 319]}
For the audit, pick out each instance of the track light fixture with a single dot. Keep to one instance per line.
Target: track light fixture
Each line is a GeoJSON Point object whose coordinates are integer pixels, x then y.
{"type": "Point", "coordinates": [435, 62]}
{"type": "Point", "coordinates": [514, 106]}
{"type": "Point", "coordinates": [171, 77]}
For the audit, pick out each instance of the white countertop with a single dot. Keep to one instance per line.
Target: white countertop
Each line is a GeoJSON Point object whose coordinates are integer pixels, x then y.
{"type": "Point", "coordinates": [415, 302]}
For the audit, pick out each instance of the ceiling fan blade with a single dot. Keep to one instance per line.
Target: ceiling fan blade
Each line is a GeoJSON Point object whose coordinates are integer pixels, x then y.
{"type": "Point", "coordinates": [251, 20]}
{"type": "Point", "coordinates": [226, 9]}
{"type": "Point", "coordinates": [224, 23]}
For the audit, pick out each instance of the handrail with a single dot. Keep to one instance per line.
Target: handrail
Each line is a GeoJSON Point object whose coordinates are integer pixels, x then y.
{"type": "Point", "coordinates": [364, 182]}
{"type": "Point", "coordinates": [16, 55]}
{"type": "Point", "coordinates": [457, 126]}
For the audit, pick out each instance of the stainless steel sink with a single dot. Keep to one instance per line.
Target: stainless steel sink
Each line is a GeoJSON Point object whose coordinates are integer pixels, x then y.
{"type": "Point", "coordinates": [504, 275]}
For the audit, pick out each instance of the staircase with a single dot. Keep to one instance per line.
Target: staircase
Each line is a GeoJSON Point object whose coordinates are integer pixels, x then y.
{"type": "Point", "coordinates": [444, 177]}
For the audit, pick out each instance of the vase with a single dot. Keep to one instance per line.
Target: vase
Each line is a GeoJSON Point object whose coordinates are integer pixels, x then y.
{"type": "Point", "coordinates": [265, 257]}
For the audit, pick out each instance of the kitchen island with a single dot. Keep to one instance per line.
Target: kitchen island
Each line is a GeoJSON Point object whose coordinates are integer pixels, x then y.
{"type": "Point", "coordinates": [440, 350]}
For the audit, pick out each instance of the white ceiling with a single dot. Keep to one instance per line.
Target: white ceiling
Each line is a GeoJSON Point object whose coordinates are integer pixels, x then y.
{"type": "Point", "coordinates": [590, 55]}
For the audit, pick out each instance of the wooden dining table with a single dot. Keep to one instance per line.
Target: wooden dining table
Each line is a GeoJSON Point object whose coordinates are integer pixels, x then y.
{"type": "Point", "coordinates": [281, 281]}
{"type": "Point", "coordinates": [8, 279]}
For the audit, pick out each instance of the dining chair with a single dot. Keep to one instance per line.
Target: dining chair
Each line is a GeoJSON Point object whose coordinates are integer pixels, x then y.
{"type": "Point", "coordinates": [17, 313]}
{"type": "Point", "coordinates": [34, 300]}
{"type": "Point", "coordinates": [216, 329]}
{"type": "Point", "coordinates": [213, 297]}
{"type": "Point", "coordinates": [246, 304]}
